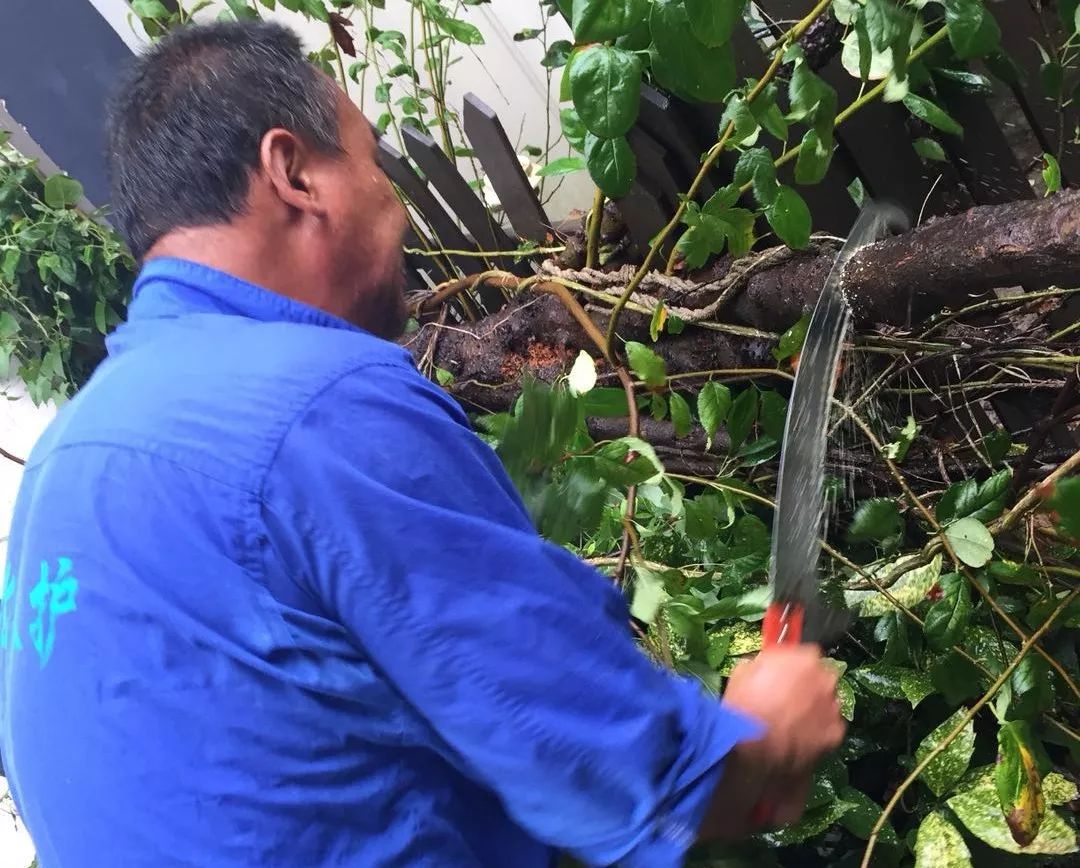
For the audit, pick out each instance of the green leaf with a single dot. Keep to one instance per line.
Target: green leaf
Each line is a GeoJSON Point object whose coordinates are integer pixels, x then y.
{"type": "Point", "coordinates": [612, 165]}
{"type": "Point", "coordinates": [875, 520]}
{"type": "Point", "coordinates": [1018, 782]}
{"type": "Point", "coordinates": [996, 445]}
{"type": "Point", "coordinates": [1066, 503]}
{"type": "Point", "coordinates": [773, 414]}
{"type": "Point", "coordinates": [846, 694]}
{"type": "Point", "coordinates": [316, 9]}
{"type": "Point", "coordinates": [681, 62]}
{"type": "Point", "coordinates": [628, 461]}
{"type": "Point", "coordinates": [606, 403]}
{"type": "Point", "coordinates": [100, 319]}
{"type": "Point", "coordinates": [562, 166]}
{"type": "Point", "coordinates": [791, 341]}
{"type": "Point", "coordinates": [462, 31]}
{"type": "Point", "coordinates": [929, 149]}
{"type": "Point", "coordinates": [938, 844]}
{"type": "Point", "coordinates": [971, 541]}
{"type": "Point", "coordinates": [946, 769]}
{"type": "Point", "coordinates": [603, 20]}
{"type": "Point", "coordinates": [9, 326]}
{"type": "Point", "coordinates": [741, 417]}
{"type": "Point", "coordinates": [605, 84]}
{"type": "Point", "coordinates": [152, 9]}
{"type": "Point", "coordinates": [978, 808]}
{"type": "Point", "coordinates": [973, 31]}
{"type": "Point", "coordinates": [557, 55]}
{"type": "Point", "coordinates": [910, 589]}
{"type": "Point", "coordinates": [756, 166]}
{"type": "Point", "coordinates": [658, 407]}
{"type": "Point", "coordinates": [948, 618]}
{"type": "Point", "coordinates": [897, 450]}
{"type": "Point", "coordinates": [893, 682]}
{"type": "Point", "coordinates": [863, 815]}
{"type": "Point", "coordinates": [713, 21]}
{"type": "Point", "coordinates": [812, 99]}
{"type": "Point", "coordinates": [382, 92]}
{"type": "Point", "coordinates": [1032, 688]}
{"type": "Point", "coordinates": [241, 11]}
{"type": "Point", "coordinates": [745, 127]}
{"type": "Point", "coordinates": [768, 113]}
{"type": "Point", "coordinates": [812, 824]}
{"type": "Point", "coordinates": [573, 128]}
{"type": "Point", "coordinates": [713, 404]}
{"type": "Point", "coordinates": [648, 366]}
{"type": "Point", "coordinates": [62, 191]}
{"type": "Point", "coordinates": [937, 117]}
{"type": "Point", "coordinates": [968, 498]}
{"type": "Point", "coordinates": [1012, 573]}
{"type": "Point", "coordinates": [789, 217]}
{"type": "Point", "coordinates": [1058, 789]}
{"type": "Point", "coordinates": [814, 158]}
{"type": "Point", "coordinates": [706, 236]}
{"type": "Point", "coordinates": [1051, 173]}
{"type": "Point", "coordinates": [680, 414]}
{"type": "Point", "coordinates": [650, 594]}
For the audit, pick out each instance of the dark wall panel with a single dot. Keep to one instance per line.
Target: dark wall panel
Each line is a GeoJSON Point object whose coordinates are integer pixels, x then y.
{"type": "Point", "coordinates": [58, 61]}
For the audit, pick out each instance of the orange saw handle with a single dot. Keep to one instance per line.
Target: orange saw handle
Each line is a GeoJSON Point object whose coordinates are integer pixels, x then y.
{"type": "Point", "coordinates": [783, 625]}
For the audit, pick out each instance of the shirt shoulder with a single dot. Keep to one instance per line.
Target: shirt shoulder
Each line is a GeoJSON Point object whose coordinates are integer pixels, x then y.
{"type": "Point", "coordinates": [213, 392]}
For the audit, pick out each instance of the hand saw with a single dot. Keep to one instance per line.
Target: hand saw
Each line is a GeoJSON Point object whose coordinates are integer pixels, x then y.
{"type": "Point", "coordinates": [793, 573]}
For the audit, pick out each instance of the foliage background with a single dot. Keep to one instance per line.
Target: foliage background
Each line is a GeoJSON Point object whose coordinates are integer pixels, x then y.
{"type": "Point", "coordinates": [959, 671]}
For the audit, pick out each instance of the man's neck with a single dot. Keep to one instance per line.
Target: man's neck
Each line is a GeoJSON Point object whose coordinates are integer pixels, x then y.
{"type": "Point", "coordinates": [239, 254]}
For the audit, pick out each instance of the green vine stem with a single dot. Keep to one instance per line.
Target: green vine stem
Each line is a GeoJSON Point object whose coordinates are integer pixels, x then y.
{"type": "Point", "coordinates": [596, 222]}
{"type": "Point", "coordinates": [906, 784]}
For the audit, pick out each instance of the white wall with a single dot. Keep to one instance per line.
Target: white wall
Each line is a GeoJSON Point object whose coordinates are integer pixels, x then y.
{"type": "Point", "coordinates": [21, 423]}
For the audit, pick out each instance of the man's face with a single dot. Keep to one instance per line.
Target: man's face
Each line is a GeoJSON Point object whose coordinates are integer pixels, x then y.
{"type": "Point", "coordinates": [368, 224]}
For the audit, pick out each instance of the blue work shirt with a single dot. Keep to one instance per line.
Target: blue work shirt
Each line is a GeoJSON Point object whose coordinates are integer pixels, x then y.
{"type": "Point", "coordinates": [270, 602]}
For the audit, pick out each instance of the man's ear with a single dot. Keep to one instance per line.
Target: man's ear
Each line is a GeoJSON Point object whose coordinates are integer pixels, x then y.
{"type": "Point", "coordinates": [287, 163]}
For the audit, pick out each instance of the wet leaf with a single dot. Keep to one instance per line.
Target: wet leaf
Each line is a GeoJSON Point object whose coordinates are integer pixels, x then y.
{"type": "Point", "coordinates": [714, 20]}
{"type": "Point", "coordinates": [62, 191]}
{"type": "Point", "coordinates": [910, 589]}
{"type": "Point", "coordinates": [684, 64]}
{"type": "Point", "coordinates": [791, 341]}
{"type": "Point", "coordinates": [948, 618]}
{"type": "Point", "coordinates": [1051, 173]}
{"type": "Point", "coordinates": [973, 31]}
{"type": "Point", "coordinates": [789, 217]}
{"type": "Point", "coordinates": [929, 149]}
{"type": "Point", "coordinates": [1018, 782]}
{"type": "Point", "coordinates": [937, 117]}
{"type": "Point", "coordinates": [612, 165]}
{"type": "Point", "coordinates": [605, 84]}
{"type": "Point", "coordinates": [862, 816]}
{"type": "Point", "coordinates": [646, 364]}
{"type": "Point", "coordinates": [949, 766]}
{"type": "Point", "coordinates": [713, 404]}
{"type": "Point", "coordinates": [938, 844]}
{"type": "Point", "coordinates": [978, 808]}
{"type": "Point", "coordinates": [601, 20]}
{"type": "Point", "coordinates": [971, 541]}
{"type": "Point", "coordinates": [741, 417]}
{"type": "Point", "coordinates": [846, 694]}
{"type": "Point", "coordinates": [681, 419]}
{"type": "Point", "coordinates": [875, 520]}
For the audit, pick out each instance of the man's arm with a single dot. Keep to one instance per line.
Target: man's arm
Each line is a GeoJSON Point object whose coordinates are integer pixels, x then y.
{"type": "Point", "coordinates": [514, 652]}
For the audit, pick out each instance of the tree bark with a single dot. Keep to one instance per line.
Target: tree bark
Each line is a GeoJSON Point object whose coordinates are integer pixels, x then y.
{"type": "Point", "coordinates": [899, 281]}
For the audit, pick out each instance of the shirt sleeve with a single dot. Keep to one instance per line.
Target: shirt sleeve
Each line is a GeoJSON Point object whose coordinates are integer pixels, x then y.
{"type": "Point", "coordinates": [516, 654]}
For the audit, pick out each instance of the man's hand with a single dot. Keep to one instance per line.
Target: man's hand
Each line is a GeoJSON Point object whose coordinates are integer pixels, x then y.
{"type": "Point", "coordinates": [793, 693]}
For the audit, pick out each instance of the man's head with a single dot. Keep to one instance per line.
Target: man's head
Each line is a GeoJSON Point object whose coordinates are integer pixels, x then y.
{"type": "Point", "coordinates": [227, 147]}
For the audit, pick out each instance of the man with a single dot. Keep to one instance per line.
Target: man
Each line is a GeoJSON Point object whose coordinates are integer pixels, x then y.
{"type": "Point", "coordinates": [271, 603]}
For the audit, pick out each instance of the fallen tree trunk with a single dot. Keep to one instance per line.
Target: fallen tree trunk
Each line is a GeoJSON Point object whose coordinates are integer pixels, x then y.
{"type": "Point", "coordinates": [942, 264]}
{"type": "Point", "coordinates": [937, 266]}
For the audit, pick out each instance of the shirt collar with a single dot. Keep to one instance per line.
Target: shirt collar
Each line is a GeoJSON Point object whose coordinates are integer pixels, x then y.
{"type": "Point", "coordinates": [168, 287]}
